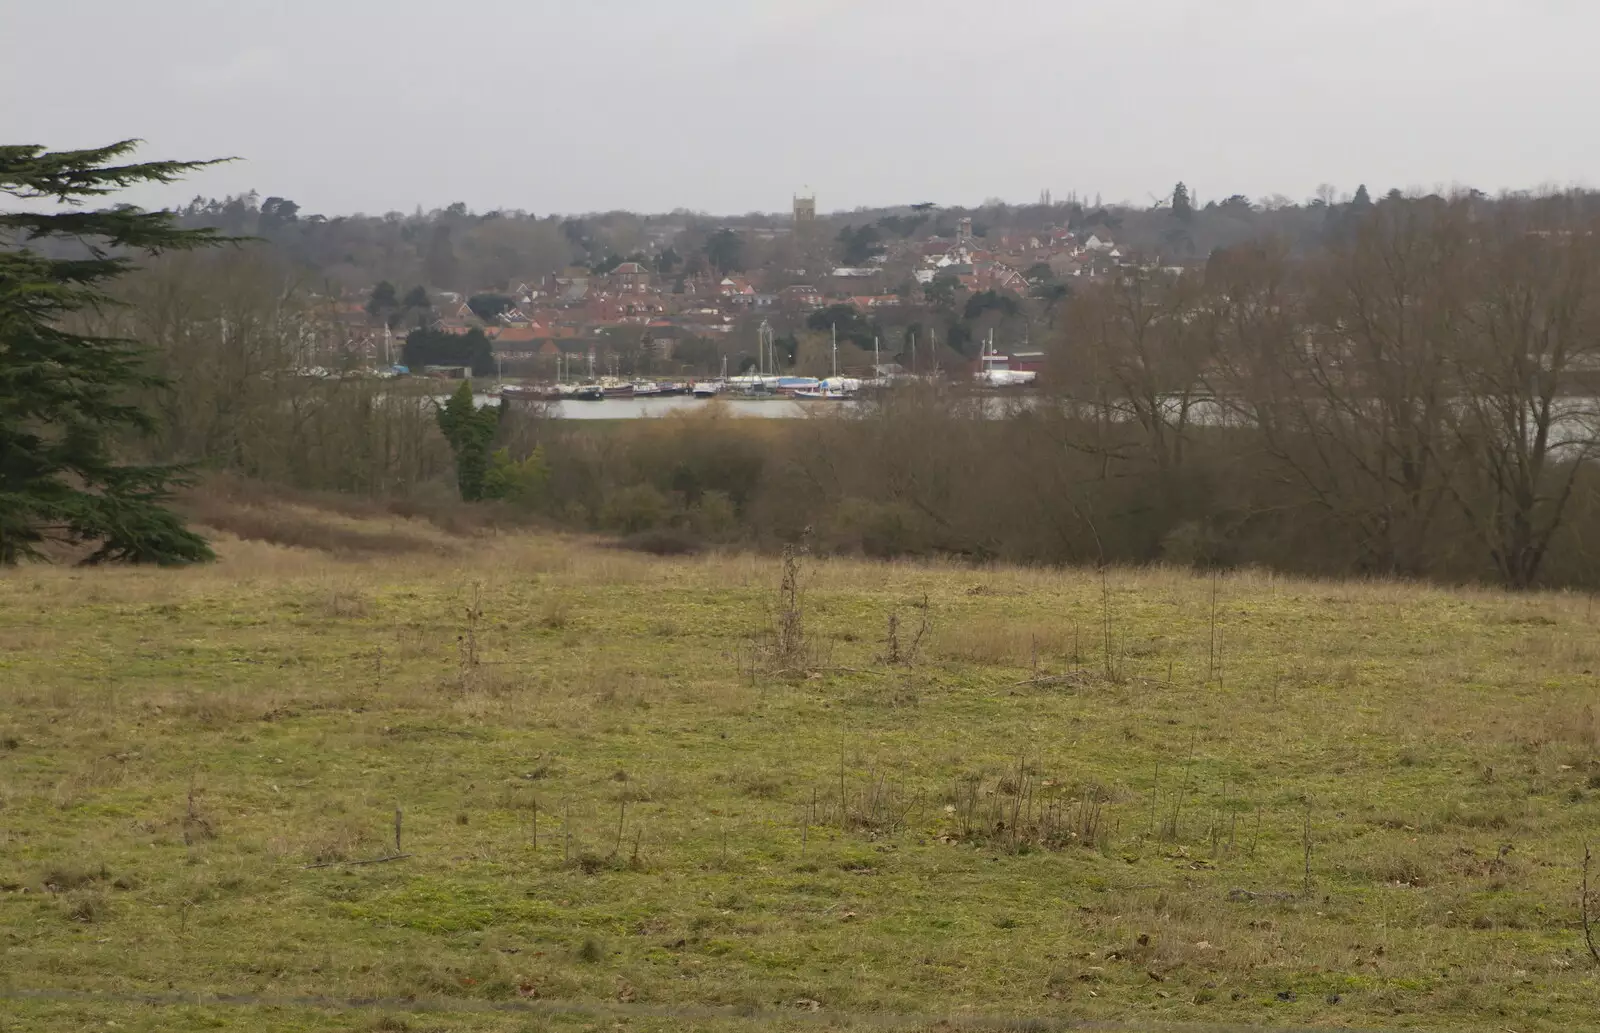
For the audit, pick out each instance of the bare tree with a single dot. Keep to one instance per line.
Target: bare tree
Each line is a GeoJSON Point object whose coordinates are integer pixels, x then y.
{"type": "Point", "coordinates": [1255, 317]}
{"type": "Point", "coordinates": [1522, 421]}
{"type": "Point", "coordinates": [264, 381]}
{"type": "Point", "coordinates": [1371, 390]}
{"type": "Point", "coordinates": [1138, 360]}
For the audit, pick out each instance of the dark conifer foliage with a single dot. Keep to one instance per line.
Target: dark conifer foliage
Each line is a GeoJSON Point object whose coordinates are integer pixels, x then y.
{"type": "Point", "coordinates": [67, 398]}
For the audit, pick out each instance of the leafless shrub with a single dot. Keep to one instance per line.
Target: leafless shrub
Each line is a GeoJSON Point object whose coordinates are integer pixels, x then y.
{"type": "Point", "coordinates": [790, 640]}
{"type": "Point", "coordinates": [896, 653]}
{"type": "Point", "coordinates": [467, 658]}
{"type": "Point", "coordinates": [196, 826]}
{"type": "Point", "coordinates": [787, 649]}
{"type": "Point", "coordinates": [1583, 909]}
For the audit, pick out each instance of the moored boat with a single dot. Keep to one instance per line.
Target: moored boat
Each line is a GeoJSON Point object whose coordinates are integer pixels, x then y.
{"type": "Point", "coordinates": [527, 392]}
{"type": "Point", "coordinates": [792, 385]}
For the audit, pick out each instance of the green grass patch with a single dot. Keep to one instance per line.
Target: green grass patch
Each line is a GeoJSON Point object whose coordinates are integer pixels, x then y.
{"type": "Point", "coordinates": [610, 794]}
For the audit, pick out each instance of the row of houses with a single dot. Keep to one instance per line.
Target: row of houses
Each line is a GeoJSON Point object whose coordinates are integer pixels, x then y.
{"type": "Point", "coordinates": [578, 304]}
{"type": "Point", "coordinates": [998, 264]}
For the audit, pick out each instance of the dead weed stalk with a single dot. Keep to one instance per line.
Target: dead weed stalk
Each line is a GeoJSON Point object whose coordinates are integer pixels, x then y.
{"type": "Point", "coordinates": [895, 653]}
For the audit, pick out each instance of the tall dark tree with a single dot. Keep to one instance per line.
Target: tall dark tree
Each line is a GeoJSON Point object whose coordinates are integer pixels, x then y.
{"type": "Point", "coordinates": [415, 309]}
{"type": "Point", "coordinates": [846, 321]}
{"type": "Point", "coordinates": [425, 347]}
{"type": "Point", "coordinates": [990, 301]}
{"type": "Point", "coordinates": [277, 212]}
{"type": "Point", "coordinates": [958, 336]}
{"type": "Point", "coordinates": [725, 251]}
{"type": "Point", "coordinates": [941, 292]}
{"type": "Point", "coordinates": [470, 431]}
{"type": "Point", "coordinates": [383, 300]}
{"type": "Point", "coordinates": [488, 307]}
{"type": "Point", "coordinates": [1052, 295]}
{"type": "Point", "coordinates": [859, 245]}
{"type": "Point", "coordinates": [1182, 204]}
{"type": "Point", "coordinates": [1362, 198]}
{"type": "Point", "coordinates": [66, 404]}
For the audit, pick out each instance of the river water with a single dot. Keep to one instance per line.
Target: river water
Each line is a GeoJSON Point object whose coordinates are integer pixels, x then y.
{"type": "Point", "coordinates": [644, 408]}
{"type": "Point", "coordinates": [1577, 418]}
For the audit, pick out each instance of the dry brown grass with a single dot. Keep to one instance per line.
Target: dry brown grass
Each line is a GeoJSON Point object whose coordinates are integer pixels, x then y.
{"type": "Point", "coordinates": [303, 527]}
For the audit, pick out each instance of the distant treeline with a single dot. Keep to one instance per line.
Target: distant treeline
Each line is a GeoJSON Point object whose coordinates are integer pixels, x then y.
{"type": "Point", "coordinates": [1414, 397]}
{"type": "Point", "coordinates": [453, 248]}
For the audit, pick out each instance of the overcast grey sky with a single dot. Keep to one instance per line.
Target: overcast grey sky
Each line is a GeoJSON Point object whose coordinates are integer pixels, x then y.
{"type": "Point", "coordinates": [732, 105]}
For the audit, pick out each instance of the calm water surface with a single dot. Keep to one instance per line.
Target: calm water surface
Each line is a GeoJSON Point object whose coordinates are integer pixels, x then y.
{"type": "Point", "coordinates": [644, 408]}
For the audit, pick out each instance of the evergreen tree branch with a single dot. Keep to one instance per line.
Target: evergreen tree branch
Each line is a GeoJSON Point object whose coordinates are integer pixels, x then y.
{"type": "Point", "coordinates": [30, 171]}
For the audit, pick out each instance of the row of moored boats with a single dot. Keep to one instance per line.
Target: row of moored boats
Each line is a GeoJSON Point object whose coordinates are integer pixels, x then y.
{"type": "Point", "coordinates": [598, 390]}
{"type": "Point", "coordinates": [753, 386]}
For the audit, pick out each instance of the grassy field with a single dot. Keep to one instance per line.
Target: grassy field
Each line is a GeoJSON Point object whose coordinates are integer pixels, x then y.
{"type": "Point", "coordinates": [1267, 802]}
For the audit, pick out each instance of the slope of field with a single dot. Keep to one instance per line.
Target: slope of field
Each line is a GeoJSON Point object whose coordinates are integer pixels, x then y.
{"type": "Point", "coordinates": [1149, 797]}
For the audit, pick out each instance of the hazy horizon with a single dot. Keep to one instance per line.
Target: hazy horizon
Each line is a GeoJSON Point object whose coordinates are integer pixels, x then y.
{"type": "Point", "coordinates": [732, 107]}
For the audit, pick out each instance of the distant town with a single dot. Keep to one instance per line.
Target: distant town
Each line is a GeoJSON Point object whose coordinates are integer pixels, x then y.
{"type": "Point", "coordinates": [820, 302]}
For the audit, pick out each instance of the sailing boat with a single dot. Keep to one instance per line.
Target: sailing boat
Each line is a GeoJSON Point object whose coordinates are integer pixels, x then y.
{"type": "Point", "coordinates": [835, 388]}
{"type": "Point", "coordinates": [994, 369]}
{"type": "Point", "coordinates": [712, 388]}
{"type": "Point", "coordinates": [590, 390]}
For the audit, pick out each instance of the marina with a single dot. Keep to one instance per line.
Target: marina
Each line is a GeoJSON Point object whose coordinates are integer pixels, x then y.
{"type": "Point", "coordinates": [761, 391]}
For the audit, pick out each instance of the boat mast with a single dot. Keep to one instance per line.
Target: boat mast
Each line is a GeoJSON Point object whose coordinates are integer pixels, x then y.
{"type": "Point", "coordinates": [765, 345]}
{"type": "Point", "coordinates": [836, 349]}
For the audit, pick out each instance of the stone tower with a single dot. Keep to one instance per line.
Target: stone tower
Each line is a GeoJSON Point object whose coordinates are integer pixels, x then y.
{"type": "Point", "coordinates": [805, 208]}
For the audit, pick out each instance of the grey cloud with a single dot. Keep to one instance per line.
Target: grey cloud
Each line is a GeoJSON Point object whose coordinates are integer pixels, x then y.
{"type": "Point", "coordinates": [730, 105]}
